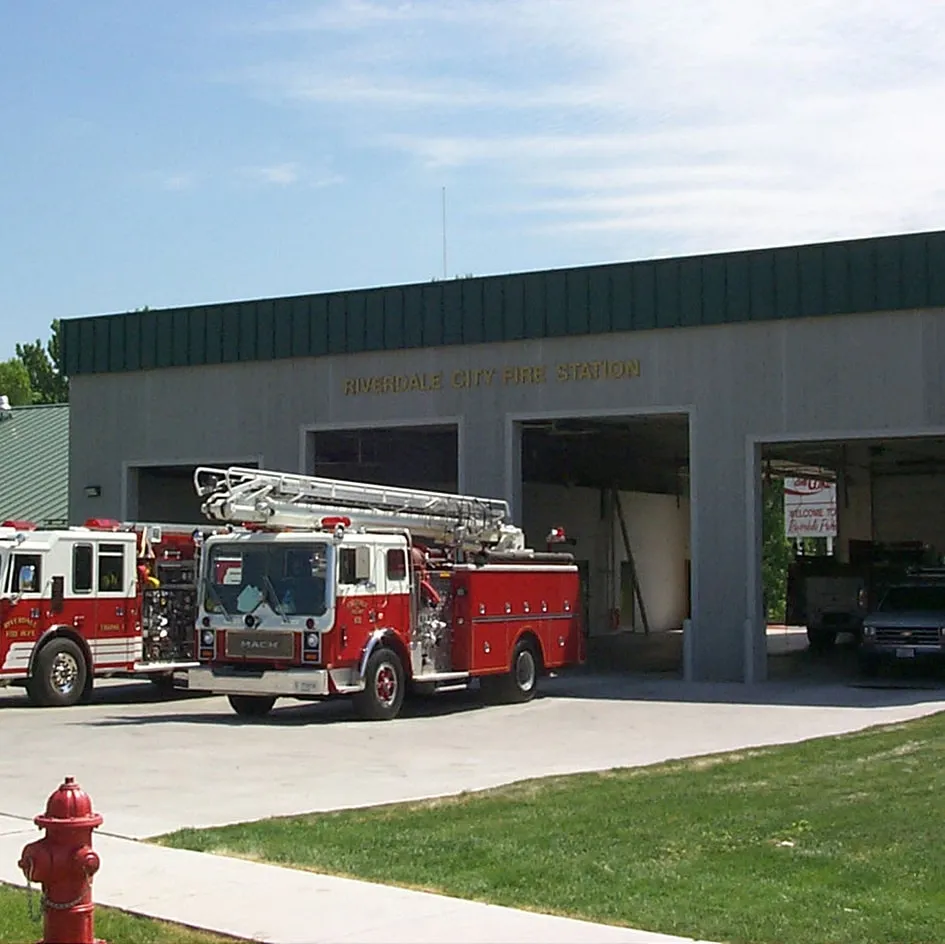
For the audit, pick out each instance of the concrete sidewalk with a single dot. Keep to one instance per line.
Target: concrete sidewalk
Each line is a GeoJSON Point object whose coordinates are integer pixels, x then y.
{"type": "Point", "coordinates": [285, 906]}
{"type": "Point", "coordinates": [125, 753]}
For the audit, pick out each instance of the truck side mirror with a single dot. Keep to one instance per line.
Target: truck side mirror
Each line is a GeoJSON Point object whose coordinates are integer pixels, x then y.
{"type": "Point", "coordinates": [27, 581]}
{"type": "Point", "coordinates": [362, 564]}
{"type": "Point", "coordinates": [57, 601]}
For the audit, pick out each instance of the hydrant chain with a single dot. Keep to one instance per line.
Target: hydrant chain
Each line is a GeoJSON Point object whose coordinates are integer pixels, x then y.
{"type": "Point", "coordinates": [65, 906]}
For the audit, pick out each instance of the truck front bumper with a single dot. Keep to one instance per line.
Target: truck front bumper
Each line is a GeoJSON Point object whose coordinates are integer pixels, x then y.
{"type": "Point", "coordinates": [297, 683]}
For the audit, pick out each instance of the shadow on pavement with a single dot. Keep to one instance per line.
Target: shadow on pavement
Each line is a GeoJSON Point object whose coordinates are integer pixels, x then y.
{"type": "Point", "coordinates": [621, 667]}
{"type": "Point", "coordinates": [632, 666]}
{"type": "Point", "coordinates": [303, 714]}
{"type": "Point", "coordinates": [131, 692]}
{"type": "Point", "coordinates": [876, 693]}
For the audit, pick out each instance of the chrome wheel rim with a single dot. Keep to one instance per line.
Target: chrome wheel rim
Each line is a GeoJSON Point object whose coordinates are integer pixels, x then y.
{"type": "Point", "coordinates": [525, 670]}
{"type": "Point", "coordinates": [64, 673]}
{"type": "Point", "coordinates": [385, 684]}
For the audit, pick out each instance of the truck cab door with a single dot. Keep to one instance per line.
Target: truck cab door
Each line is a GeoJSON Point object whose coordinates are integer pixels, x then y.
{"type": "Point", "coordinates": [115, 638]}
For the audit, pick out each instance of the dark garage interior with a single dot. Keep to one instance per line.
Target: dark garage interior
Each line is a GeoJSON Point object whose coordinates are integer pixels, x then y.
{"type": "Point", "coordinates": [403, 456]}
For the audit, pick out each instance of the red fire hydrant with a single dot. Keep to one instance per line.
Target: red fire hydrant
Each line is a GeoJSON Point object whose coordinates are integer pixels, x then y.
{"type": "Point", "coordinates": [63, 862]}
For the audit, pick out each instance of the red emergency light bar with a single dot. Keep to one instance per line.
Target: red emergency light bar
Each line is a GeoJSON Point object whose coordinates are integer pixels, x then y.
{"type": "Point", "coordinates": [19, 525]}
{"type": "Point", "coordinates": [333, 522]}
{"type": "Point", "coordinates": [103, 524]}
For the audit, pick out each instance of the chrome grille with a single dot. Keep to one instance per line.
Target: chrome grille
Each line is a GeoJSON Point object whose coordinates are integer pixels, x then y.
{"type": "Point", "coordinates": [913, 636]}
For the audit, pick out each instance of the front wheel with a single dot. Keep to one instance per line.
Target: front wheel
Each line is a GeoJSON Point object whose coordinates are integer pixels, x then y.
{"type": "Point", "coordinates": [251, 706]}
{"type": "Point", "coordinates": [869, 665]}
{"type": "Point", "coordinates": [60, 676]}
{"type": "Point", "coordinates": [384, 686]}
{"type": "Point", "coordinates": [821, 639]}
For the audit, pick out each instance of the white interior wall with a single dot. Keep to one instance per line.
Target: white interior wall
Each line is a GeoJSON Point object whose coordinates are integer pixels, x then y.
{"type": "Point", "coordinates": [658, 528]}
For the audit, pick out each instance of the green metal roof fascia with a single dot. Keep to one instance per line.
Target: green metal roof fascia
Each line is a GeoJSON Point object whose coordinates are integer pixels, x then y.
{"type": "Point", "coordinates": [887, 273]}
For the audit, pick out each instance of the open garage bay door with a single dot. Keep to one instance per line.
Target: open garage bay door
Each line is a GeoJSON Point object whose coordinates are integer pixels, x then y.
{"type": "Point", "coordinates": [404, 456]}
{"type": "Point", "coordinates": [889, 519]}
{"type": "Point", "coordinates": [165, 493]}
{"type": "Point", "coordinates": [619, 486]}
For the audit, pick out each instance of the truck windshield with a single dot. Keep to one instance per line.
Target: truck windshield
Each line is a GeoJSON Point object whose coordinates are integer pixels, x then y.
{"type": "Point", "coordinates": [916, 599]}
{"type": "Point", "coordinates": [292, 579]}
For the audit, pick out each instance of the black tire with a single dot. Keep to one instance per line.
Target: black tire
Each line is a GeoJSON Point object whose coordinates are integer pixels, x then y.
{"type": "Point", "coordinates": [251, 706]}
{"type": "Point", "coordinates": [60, 675]}
{"type": "Point", "coordinates": [820, 639]}
{"type": "Point", "coordinates": [384, 687]}
{"type": "Point", "coordinates": [869, 665]}
{"type": "Point", "coordinates": [163, 682]}
{"type": "Point", "coordinates": [520, 683]}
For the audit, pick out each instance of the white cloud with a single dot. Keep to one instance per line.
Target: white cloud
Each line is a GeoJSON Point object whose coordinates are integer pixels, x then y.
{"type": "Point", "coordinates": [282, 174]}
{"type": "Point", "coordinates": [713, 122]}
{"type": "Point", "coordinates": [290, 173]}
{"type": "Point", "coordinates": [178, 181]}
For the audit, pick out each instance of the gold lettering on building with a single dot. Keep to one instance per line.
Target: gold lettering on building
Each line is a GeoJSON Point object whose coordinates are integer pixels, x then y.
{"type": "Point", "coordinates": [467, 379]}
{"type": "Point", "coordinates": [475, 378]}
{"type": "Point", "coordinates": [393, 383]}
{"type": "Point", "coordinates": [517, 376]}
{"type": "Point", "coordinates": [598, 370]}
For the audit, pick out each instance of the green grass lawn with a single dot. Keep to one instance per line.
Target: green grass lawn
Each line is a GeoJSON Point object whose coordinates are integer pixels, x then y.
{"type": "Point", "coordinates": [831, 841]}
{"type": "Point", "coordinates": [116, 927]}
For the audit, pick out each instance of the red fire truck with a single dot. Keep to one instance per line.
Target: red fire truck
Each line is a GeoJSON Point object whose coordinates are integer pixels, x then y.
{"type": "Point", "coordinates": [105, 599]}
{"type": "Point", "coordinates": [323, 588]}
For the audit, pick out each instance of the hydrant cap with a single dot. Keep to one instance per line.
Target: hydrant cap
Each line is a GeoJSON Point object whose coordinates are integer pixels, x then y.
{"type": "Point", "coordinates": [70, 805]}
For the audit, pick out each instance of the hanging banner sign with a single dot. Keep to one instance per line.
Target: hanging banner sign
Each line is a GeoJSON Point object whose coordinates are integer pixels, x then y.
{"type": "Point", "coordinates": [810, 508]}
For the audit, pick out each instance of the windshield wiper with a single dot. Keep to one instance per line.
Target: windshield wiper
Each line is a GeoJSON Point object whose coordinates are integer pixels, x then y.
{"type": "Point", "coordinates": [220, 603]}
{"type": "Point", "coordinates": [265, 598]}
{"type": "Point", "coordinates": [280, 607]}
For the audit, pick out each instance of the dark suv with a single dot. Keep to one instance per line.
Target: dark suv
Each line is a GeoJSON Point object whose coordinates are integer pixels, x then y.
{"type": "Point", "coordinates": [908, 624]}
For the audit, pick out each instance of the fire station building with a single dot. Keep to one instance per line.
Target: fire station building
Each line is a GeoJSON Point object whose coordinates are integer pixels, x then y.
{"type": "Point", "coordinates": [638, 405]}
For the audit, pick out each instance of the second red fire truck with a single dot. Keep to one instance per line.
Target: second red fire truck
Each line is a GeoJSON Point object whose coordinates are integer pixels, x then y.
{"type": "Point", "coordinates": [102, 600]}
{"type": "Point", "coordinates": [313, 588]}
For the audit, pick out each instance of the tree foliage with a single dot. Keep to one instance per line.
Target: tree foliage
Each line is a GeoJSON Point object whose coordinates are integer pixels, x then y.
{"type": "Point", "coordinates": [15, 382]}
{"type": "Point", "coordinates": [776, 548]}
{"type": "Point", "coordinates": [43, 365]}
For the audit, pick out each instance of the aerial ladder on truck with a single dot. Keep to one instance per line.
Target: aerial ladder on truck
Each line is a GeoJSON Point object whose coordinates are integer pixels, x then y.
{"type": "Point", "coordinates": [286, 500]}
{"type": "Point", "coordinates": [415, 587]}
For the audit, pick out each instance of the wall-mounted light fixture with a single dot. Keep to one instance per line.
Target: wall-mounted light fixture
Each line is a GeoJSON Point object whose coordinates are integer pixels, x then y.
{"type": "Point", "coordinates": [93, 491]}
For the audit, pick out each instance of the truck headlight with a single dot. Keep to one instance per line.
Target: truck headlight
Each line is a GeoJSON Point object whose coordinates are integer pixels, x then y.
{"type": "Point", "coordinates": [311, 640]}
{"type": "Point", "coordinates": [869, 632]}
{"type": "Point", "coordinates": [206, 637]}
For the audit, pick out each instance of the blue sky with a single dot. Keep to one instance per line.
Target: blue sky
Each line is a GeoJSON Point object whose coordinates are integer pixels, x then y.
{"type": "Point", "coordinates": [176, 152]}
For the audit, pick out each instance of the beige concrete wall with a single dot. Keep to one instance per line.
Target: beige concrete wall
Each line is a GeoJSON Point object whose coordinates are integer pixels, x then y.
{"type": "Point", "coordinates": [879, 374]}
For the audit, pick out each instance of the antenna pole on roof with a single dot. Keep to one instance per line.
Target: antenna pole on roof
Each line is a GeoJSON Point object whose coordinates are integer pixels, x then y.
{"type": "Point", "coordinates": [444, 232]}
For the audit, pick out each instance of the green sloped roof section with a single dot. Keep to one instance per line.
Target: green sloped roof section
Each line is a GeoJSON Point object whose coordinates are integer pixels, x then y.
{"type": "Point", "coordinates": [34, 463]}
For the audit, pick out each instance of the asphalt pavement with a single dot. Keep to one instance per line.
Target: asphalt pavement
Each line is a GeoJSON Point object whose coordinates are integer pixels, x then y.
{"type": "Point", "coordinates": [153, 764]}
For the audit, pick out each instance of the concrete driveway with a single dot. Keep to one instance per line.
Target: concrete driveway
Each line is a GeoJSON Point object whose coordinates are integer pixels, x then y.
{"type": "Point", "coordinates": [154, 764]}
